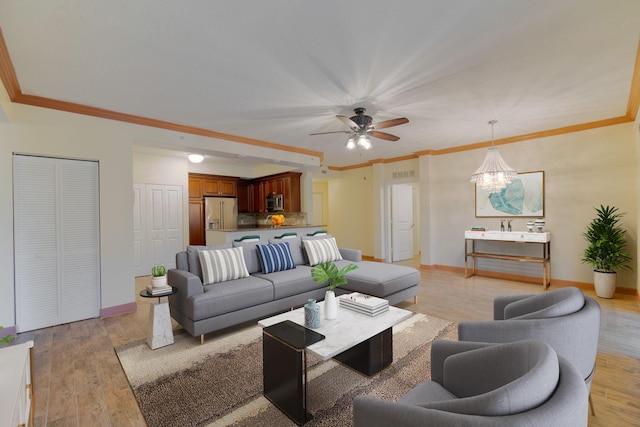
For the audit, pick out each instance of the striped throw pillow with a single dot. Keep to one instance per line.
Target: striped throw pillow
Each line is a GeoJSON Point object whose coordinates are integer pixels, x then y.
{"type": "Point", "coordinates": [222, 265]}
{"type": "Point", "coordinates": [322, 250]}
{"type": "Point", "coordinates": [275, 257]}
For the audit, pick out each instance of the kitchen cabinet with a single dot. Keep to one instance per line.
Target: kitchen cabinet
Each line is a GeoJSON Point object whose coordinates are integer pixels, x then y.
{"type": "Point", "coordinates": [287, 184]}
{"type": "Point", "coordinates": [195, 187]}
{"type": "Point", "coordinates": [211, 185]}
{"type": "Point", "coordinates": [196, 221]}
{"type": "Point", "coordinates": [219, 187]}
{"type": "Point", "coordinates": [244, 206]}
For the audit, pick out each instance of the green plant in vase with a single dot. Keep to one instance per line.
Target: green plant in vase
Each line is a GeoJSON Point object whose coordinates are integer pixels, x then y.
{"type": "Point", "coordinates": [329, 272]}
{"type": "Point", "coordinates": [158, 276]}
{"type": "Point", "coordinates": [6, 339]}
{"type": "Point", "coordinates": [606, 251]}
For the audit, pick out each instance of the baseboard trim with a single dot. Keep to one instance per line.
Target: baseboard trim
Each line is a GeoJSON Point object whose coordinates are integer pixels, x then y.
{"type": "Point", "coordinates": [117, 310]}
{"type": "Point", "coordinates": [368, 258]}
{"type": "Point", "coordinates": [557, 283]}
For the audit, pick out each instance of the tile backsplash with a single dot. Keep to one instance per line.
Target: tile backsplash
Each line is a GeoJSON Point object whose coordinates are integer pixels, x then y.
{"type": "Point", "coordinates": [291, 218]}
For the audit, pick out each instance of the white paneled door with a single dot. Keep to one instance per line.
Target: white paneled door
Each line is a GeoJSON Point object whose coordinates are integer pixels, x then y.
{"type": "Point", "coordinates": [57, 244]}
{"type": "Point", "coordinates": [158, 231]}
{"type": "Point", "coordinates": [402, 222]}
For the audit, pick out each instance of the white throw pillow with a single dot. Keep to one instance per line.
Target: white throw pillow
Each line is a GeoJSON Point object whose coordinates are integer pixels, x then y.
{"type": "Point", "coordinates": [222, 265]}
{"type": "Point", "coordinates": [322, 250]}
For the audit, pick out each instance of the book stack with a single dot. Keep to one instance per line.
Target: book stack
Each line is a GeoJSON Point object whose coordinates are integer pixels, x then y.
{"type": "Point", "coordinates": [365, 304]}
{"type": "Point", "coordinates": [159, 291]}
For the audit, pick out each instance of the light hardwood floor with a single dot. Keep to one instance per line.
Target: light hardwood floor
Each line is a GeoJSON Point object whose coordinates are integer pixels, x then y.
{"type": "Point", "coordinates": [79, 381]}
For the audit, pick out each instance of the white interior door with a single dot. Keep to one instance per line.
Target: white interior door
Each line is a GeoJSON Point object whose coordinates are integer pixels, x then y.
{"type": "Point", "coordinates": [157, 217]}
{"type": "Point", "coordinates": [401, 222]}
{"type": "Point", "coordinates": [57, 241]}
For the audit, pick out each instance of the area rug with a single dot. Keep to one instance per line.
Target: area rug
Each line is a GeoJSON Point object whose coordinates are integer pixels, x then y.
{"type": "Point", "coordinates": [220, 383]}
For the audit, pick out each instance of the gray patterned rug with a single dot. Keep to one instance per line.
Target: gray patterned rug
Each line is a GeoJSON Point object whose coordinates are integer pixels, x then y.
{"type": "Point", "coordinates": [220, 383]}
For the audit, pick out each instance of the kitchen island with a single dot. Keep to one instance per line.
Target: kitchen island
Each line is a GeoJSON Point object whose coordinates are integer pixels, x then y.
{"type": "Point", "coordinates": [220, 236]}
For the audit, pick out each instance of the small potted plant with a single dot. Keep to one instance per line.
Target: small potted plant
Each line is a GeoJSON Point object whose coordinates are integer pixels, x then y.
{"type": "Point", "coordinates": [606, 249]}
{"type": "Point", "coordinates": [158, 276]}
{"type": "Point", "coordinates": [329, 272]}
{"type": "Point", "coordinates": [6, 339]}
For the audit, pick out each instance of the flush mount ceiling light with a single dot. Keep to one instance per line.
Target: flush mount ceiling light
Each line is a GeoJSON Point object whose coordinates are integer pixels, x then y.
{"type": "Point", "coordinates": [494, 174]}
{"type": "Point", "coordinates": [195, 158]}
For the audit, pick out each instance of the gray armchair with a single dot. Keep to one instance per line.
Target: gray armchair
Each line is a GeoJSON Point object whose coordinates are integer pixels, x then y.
{"type": "Point", "coordinates": [565, 319]}
{"type": "Point", "coordinates": [478, 384]}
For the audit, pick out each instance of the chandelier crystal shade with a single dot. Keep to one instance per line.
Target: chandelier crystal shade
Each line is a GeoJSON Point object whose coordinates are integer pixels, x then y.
{"type": "Point", "coordinates": [494, 174]}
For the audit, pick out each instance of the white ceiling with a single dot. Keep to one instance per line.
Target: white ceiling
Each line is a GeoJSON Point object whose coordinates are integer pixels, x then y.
{"type": "Point", "coordinates": [278, 70]}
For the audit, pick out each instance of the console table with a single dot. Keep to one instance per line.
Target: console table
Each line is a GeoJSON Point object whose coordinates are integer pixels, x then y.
{"type": "Point", "coordinates": [543, 239]}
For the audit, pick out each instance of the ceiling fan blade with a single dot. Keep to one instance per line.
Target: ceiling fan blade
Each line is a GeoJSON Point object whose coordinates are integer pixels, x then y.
{"type": "Point", "coordinates": [390, 123]}
{"type": "Point", "coordinates": [338, 131]}
{"type": "Point", "coordinates": [383, 135]}
{"type": "Point", "coordinates": [347, 121]}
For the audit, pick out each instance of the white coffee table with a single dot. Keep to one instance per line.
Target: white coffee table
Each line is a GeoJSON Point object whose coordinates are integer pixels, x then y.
{"type": "Point", "coordinates": [357, 340]}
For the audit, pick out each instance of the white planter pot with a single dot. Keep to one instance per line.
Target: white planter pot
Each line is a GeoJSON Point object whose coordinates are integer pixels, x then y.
{"type": "Point", "coordinates": [159, 282]}
{"type": "Point", "coordinates": [330, 305]}
{"type": "Point", "coordinates": [605, 283]}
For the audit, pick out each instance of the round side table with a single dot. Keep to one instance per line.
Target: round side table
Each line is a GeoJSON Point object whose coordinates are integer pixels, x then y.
{"type": "Point", "coordinates": [160, 333]}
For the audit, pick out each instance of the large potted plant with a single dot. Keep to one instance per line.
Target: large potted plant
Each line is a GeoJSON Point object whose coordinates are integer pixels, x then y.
{"type": "Point", "coordinates": [329, 272]}
{"type": "Point", "coordinates": [606, 249]}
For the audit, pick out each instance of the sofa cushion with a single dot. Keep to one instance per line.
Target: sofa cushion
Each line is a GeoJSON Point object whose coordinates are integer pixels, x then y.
{"type": "Point", "coordinates": [221, 265]}
{"type": "Point", "coordinates": [321, 250]}
{"type": "Point", "coordinates": [193, 259]}
{"type": "Point", "coordinates": [305, 259]}
{"type": "Point", "coordinates": [558, 303]}
{"type": "Point", "coordinates": [226, 297]}
{"type": "Point", "coordinates": [291, 282]}
{"type": "Point", "coordinates": [379, 279]}
{"type": "Point", "coordinates": [275, 257]}
{"type": "Point", "coordinates": [295, 247]}
{"type": "Point", "coordinates": [251, 258]}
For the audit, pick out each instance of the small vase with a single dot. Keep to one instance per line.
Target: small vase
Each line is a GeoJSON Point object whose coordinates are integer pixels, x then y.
{"type": "Point", "coordinates": [312, 314]}
{"type": "Point", "coordinates": [330, 305]}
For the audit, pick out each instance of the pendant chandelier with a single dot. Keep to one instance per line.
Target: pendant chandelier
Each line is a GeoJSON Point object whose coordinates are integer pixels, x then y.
{"type": "Point", "coordinates": [494, 174]}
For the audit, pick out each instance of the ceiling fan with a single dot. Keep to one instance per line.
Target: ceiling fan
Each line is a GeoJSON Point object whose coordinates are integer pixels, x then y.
{"type": "Point", "coordinates": [362, 127]}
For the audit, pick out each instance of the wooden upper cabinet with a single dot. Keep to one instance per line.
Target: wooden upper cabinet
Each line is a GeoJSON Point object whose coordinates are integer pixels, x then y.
{"type": "Point", "coordinates": [212, 185]}
{"type": "Point", "coordinates": [195, 188]}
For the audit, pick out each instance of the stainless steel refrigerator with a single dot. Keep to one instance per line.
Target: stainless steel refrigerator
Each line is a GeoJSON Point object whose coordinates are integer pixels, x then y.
{"type": "Point", "coordinates": [220, 213]}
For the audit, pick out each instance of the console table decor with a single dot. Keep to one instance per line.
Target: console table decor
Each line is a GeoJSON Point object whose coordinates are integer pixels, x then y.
{"type": "Point", "coordinates": [543, 239]}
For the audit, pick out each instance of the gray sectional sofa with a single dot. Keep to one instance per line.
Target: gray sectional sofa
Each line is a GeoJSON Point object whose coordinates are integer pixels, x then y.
{"type": "Point", "coordinates": [202, 309]}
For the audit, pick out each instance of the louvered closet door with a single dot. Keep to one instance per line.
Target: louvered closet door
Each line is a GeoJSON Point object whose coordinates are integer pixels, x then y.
{"type": "Point", "coordinates": [57, 260]}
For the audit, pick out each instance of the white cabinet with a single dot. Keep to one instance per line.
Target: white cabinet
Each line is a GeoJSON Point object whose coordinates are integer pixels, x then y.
{"type": "Point", "coordinates": [16, 386]}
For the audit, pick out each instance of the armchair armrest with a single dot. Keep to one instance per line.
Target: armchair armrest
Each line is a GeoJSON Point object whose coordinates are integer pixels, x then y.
{"type": "Point", "coordinates": [188, 284]}
{"type": "Point", "coordinates": [354, 255]}
{"type": "Point", "coordinates": [500, 302]}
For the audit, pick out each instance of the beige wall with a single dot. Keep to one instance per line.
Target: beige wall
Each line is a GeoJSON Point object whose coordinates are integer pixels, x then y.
{"type": "Point", "coordinates": [582, 170]}
{"type": "Point", "coordinates": [350, 209]}
{"type": "Point", "coordinates": [322, 187]}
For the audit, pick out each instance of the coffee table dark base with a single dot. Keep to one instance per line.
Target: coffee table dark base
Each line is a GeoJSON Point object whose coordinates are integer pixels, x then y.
{"type": "Point", "coordinates": [371, 356]}
{"type": "Point", "coordinates": [285, 370]}
{"type": "Point", "coordinates": [285, 378]}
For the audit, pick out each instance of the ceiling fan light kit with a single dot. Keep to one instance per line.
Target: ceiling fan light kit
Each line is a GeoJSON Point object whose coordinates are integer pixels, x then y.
{"type": "Point", "coordinates": [362, 127]}
{"type": "Point", "coordinates": [494, 174]}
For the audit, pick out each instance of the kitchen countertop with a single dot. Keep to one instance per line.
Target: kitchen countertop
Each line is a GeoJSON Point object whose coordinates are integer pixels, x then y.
{"type": "Point", "coordinates": [262, 227]}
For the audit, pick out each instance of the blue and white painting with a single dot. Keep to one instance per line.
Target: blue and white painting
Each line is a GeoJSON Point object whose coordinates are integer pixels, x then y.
{"type": "Point", "coordinates": [524, 197]}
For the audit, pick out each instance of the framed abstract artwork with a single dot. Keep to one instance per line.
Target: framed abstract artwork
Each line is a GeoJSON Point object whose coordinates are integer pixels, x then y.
{"type": "Point", "coordinates": [524, 197]}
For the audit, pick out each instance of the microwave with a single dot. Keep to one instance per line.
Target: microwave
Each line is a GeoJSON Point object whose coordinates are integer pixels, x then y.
{"type": "Point", "coordinates": [275, 203]}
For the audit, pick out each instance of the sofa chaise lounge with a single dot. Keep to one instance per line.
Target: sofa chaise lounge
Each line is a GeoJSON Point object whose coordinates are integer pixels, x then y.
{"type": "Point", "coordinates": [202, 308]}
